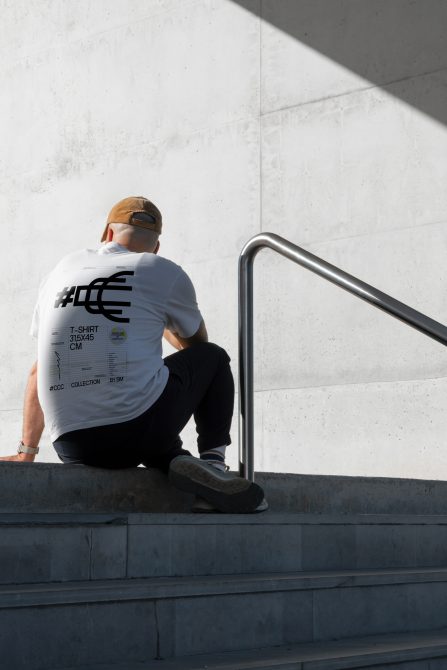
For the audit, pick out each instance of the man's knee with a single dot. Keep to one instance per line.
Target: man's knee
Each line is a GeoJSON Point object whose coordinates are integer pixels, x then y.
{"type": "Point", "coordinates": [213, 350]}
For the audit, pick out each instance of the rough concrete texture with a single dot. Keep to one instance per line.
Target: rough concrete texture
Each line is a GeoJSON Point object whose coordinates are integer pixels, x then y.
{"type": "Point", "coordinates": [46, 487]}
{"type": "Point", "coordinates": [421, 651]}
{"type": "Point", "coordinates": [78, 547]}
{"type": "Point", "coordinates": [322, 122]}
{"type": "Point", "coordinates": [171, 617]}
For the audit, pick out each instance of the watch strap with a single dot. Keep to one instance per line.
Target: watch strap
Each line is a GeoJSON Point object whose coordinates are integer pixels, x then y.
{"type": "Point", "coordinates": [23, 449]}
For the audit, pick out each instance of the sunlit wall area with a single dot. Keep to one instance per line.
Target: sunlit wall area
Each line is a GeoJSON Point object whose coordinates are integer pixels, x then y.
{"type": "Point", "coordinates": [354, 167]}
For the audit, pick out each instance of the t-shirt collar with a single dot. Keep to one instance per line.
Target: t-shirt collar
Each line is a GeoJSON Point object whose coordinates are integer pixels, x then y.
{"type": "Point", "coordinates": [113, 248]}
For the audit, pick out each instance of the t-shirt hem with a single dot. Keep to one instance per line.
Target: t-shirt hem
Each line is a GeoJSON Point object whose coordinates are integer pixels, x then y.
{"type": "Point", "coordinates": [54, 435]}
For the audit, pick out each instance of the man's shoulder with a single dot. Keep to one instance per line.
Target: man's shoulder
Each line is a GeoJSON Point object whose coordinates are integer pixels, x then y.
{"type": "Point", "coordinates": [160, 263]}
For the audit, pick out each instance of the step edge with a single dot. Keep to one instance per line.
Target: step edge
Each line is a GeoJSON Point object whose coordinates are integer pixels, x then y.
{"type": "Point", "coordinates": [351, 651]}
{"type": "Point", "coordinates": [37, 519]}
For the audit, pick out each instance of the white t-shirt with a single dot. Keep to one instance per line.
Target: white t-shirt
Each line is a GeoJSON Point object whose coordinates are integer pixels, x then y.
{"type": "Point", "coordinates": [99, 320]}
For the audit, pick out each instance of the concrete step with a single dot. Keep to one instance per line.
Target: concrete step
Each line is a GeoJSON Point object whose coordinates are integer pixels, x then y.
{"type": "Point", "coordinates": [52, 487]}
{"type": "Point", "coordinates": [70, 547]}
{"type": "Point", "coordinates": [129, 621]}
{"type": "Point", "coordinates": [411, 651]}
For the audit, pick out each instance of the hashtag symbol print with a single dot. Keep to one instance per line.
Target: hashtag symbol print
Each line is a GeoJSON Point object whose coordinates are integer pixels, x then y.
{"type": "Point", "coordinates": [92, 296]}
{"type": "Point", "coordinates": [65, 297]}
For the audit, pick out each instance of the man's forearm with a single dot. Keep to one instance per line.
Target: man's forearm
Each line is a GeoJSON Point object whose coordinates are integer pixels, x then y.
{"type": "Point", "coordinates": [172, 339]}
{"type": "Point", "coordinates": [179, 342]}
{"type": "Point", "coordinates": [33, 419]}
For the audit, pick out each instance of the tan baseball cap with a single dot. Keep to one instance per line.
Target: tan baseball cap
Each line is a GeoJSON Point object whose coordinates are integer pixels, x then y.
{"type": "Point", "coordinates": [124, 211]}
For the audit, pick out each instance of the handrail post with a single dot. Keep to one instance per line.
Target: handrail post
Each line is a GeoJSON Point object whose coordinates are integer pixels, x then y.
{"type": "Point", "coordinates": [246, 390]}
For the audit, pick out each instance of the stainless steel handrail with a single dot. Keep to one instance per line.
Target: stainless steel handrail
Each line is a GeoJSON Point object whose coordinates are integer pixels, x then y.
{"type": "Point", "coordinates": [333, 274]}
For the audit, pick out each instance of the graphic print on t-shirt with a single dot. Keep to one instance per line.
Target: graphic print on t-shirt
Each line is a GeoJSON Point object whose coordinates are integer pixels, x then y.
{"type": "Point", "coordinates": [108, 308]}
{"type": "Point", "coordinates": [81, 356]}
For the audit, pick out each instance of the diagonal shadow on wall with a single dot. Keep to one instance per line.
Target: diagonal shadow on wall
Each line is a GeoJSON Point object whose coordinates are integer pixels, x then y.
{"type": "Point", "coordinates": [383, 41]}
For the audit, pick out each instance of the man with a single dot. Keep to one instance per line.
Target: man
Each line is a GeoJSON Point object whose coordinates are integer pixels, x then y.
{"type": "Point", "coordinates": [100, 383]}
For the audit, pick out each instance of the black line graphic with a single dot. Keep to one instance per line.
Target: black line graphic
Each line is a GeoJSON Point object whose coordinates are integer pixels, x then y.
{"type": "Point", "coordinates": [108, 308]}
{"type": "Point", "coordinates": [58, 363]}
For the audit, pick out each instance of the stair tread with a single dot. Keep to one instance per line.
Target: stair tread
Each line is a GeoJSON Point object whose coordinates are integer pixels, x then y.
{"type": "Point", "coordinates": [342, 654]}
{"type": "Point", "coordinates": [26, 595]}
{"type": "Point", "coordinates": [56, 487]}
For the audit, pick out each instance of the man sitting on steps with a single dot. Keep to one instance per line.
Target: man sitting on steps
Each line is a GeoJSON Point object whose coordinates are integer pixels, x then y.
{"type": "Point", "coordinates": [100, 383]}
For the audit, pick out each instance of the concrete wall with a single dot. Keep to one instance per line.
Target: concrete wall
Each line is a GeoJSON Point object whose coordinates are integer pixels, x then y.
{"type": "Point", "coordinates": [323, 121]}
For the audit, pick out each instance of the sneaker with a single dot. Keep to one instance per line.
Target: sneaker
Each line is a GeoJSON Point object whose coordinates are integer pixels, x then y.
{"type": "Point", "coordinates": [202, 506]}
{"type": "Point", "coordinates": [227, 492]}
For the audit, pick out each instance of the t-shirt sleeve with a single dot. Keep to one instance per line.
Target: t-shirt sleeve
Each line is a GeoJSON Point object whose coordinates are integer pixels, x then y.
{"type": "Point", "coordinates": [182, 312]}
{"type": "Point", "coordinates": [34, 329]}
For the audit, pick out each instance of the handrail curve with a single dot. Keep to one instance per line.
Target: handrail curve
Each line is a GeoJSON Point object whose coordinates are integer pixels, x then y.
{"type": "Point", "coordinates": [382, 301]}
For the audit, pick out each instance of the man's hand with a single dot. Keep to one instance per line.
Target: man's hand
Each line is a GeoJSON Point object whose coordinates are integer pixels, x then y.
{"type": "Point", "coordinates": [19, 458]}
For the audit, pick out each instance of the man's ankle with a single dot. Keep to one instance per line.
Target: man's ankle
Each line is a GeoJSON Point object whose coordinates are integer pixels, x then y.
{"type": "Point", "coordinates": [215, 457]}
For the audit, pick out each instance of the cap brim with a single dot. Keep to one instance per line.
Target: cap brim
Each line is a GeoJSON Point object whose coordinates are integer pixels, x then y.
{"type": "Point", "coordinates": [104, 235]}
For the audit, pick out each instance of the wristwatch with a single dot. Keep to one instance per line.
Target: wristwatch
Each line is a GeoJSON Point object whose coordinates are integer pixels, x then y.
{"type": "Point", "coordinates": [23, 449]}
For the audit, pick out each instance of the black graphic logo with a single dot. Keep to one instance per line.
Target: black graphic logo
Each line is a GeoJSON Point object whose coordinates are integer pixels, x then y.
{"type": "Point", "coordinates": [108, 308]}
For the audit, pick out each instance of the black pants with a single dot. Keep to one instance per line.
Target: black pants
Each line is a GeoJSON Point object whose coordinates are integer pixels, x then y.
{"type": "Point", "coordinates": [200, 383]}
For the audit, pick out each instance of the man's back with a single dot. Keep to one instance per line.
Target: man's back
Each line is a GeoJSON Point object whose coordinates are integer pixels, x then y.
{"type": "Point", "coordinates": [100, 321]}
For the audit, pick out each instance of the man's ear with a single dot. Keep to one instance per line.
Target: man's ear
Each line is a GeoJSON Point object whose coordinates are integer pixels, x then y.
{"type": "Point", "coordinates": [109, 237]}
{"type": "Point", "coordinates": [157, 247]}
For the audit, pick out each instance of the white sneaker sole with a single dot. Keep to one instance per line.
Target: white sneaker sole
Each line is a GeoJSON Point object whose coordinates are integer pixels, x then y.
{"type": "Point", "coordinates": [202, 506]}
{"type": "Point", "coordinates": [226, 492]}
